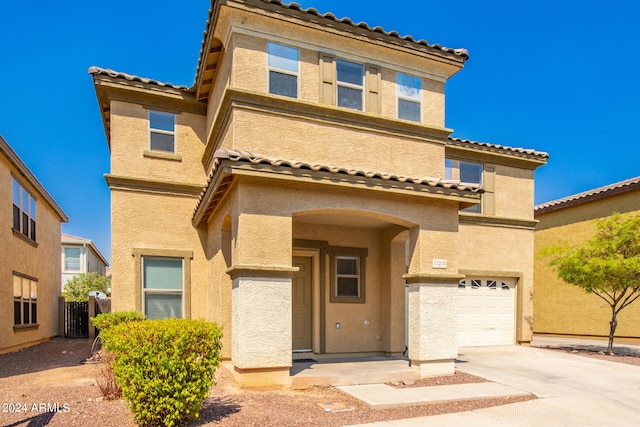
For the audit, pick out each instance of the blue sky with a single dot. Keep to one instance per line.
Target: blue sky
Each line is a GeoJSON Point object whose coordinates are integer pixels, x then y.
{"type": "Point", "coordinates": [557, 76]}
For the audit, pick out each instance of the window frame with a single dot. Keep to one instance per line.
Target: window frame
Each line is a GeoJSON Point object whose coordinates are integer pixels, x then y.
{"type": "Point", "coordinates": [31, 302]}
{"type": "Point", "coordinates": [337, 253]}
{"type": "Point", "coordinates": [159, 131]}
{"type": "Point", "coordinates": [26, 221]}
{"type": "Point", "coordinates": [186, 256]}
{"type": "Point", "coordinates": [285, 71]}
{"type": "Point", "coordinates": [66, 257]}
{"type": "Point", "coordinates": [407, 98]}
{"type": "Point", "coordinates": [352, 86]}
{"type": "Point", "coordinates": [452, 172]}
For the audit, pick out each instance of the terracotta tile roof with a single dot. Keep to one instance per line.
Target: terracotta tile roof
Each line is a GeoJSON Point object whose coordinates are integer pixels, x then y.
{"type": "Point", "coordinates": [586, 196]}
{"type": "Point", "coordinates": [120, 75]}
{"type": "Point", "coordinates": [495, 147]}
{"type": "Point", "coordinates": [330, 18]}
{"type": "Point", "coordinates": [238, 156]}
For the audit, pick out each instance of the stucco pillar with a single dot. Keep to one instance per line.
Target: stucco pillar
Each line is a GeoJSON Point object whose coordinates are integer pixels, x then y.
{"type": "Point", "coordinates": [261, 274]}
{"type": "Point", "coordinates": [433, 345]}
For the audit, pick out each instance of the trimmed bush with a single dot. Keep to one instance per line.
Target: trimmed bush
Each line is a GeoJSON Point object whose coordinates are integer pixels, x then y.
{"type": "Point", "coordinates": [108, 320]}
{"type": "Point", "coordinates": [164, 367]}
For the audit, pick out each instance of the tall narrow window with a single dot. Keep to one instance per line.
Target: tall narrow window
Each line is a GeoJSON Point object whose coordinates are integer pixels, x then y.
{"type": "Point", "coordinates": [350, 79]}
{"type": "Point", "coordinates": [409, 89]}
{"type": "Point", "coordinates": [162, 131]}
{"type": "Point", "coordinates": [348, 274]}
{"type": "Point", "coordinates": [283, 70]}
{"type": "Point", "coordinates": [24, 211]}
{"type": "Point", "coordinates": [24, 301]}
{"type": "Point", "coordinates": [162, 285]}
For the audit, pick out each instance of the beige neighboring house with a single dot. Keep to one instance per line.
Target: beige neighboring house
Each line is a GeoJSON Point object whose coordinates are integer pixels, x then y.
{"type": "Point", "coordinates": [80, 256]}
{"type": "Point", "coordinates": [30, 256]}
{"type": "Point", "coordinates": [566, 310]}
{"type": "Point", "coordinates": [302, 183]}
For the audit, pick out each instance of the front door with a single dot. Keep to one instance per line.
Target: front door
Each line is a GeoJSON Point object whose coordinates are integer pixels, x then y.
{"type": "Point", "coordinates": [301, 303]}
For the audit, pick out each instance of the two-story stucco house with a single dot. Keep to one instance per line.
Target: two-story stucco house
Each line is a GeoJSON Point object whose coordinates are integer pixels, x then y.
{"type": "Point", "coordinates": [303, 181]}
{"type": "Point", "coordinates": [30, 255]}
{"type": "Point", "coordinates": [78, 256]}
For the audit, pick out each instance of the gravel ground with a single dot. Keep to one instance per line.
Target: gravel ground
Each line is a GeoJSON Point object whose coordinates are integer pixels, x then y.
{"type": "Point", "coordinates": [48, 385]}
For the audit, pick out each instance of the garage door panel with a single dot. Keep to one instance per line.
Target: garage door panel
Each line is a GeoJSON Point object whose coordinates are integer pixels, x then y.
{"type": "Point", "coordinates": [486, 312]}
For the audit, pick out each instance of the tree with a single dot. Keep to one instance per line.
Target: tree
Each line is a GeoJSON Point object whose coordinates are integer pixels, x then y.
{"type": "Point", "coordinates": [78, 288]}
{"type": "Point", "coordinates": [607, 265]}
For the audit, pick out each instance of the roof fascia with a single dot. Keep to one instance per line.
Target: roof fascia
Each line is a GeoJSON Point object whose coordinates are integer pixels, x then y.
{"type": "Point", "coordinates": [502, 156]}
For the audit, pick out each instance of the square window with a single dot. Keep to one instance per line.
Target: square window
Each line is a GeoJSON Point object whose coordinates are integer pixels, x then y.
{"type": "Point", "coordinates": [283, 70]}
{"type": "Point", "coordinates": [72, 259]}
{"type": "Point", "coordinates": [467, 172]}
{"type": "Point", "coordinates": [161, 131]}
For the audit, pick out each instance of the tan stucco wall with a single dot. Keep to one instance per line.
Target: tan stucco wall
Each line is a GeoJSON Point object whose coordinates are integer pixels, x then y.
{"type": "Point", "coordinates": [560, 308]}
{"type": "Point", "coordinates": [145, 221]}
{"type": "Point", "coordinates": [41, 262]}
{"type": "Point", "coordinates": [130, 154]}
{"type": "Point", "coordinates": [513, 192]}
{"type": "Point", "coordinates": [328, 143]}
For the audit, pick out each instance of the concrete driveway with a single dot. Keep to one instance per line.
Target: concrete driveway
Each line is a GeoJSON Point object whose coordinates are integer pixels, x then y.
{"type": "Point", "coordinates": [573, 390]}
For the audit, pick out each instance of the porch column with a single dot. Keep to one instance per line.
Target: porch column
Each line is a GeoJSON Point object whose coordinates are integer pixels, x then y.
{"type": "Point", "coordinates": [261, 275]}
{"type": "Point", "coordinates": [433, 345]}
{"type": "Point", "coordinates": [261, 319]}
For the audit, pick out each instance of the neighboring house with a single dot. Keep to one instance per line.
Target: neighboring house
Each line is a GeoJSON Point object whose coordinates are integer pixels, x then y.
{"type": "Point", "coordinates": [80, 256]}
{"type": "Point", "coordinates": [563, 309]}
{"type": "Point", "coordinates": [30, 256]}
{"type": "Point", "coordinates": [304, 179]}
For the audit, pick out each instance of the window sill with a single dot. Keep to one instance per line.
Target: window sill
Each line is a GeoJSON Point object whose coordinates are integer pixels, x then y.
{"type": "Point", "coordinates": [162, 156]}
{"type": "Point", "coordinates": [25, 238]}
{"type": "Point", "coordinates": [30, 327]}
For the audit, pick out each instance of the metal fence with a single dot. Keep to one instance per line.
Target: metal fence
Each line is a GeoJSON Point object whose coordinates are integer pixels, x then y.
{"type": "Point", "coordinates": [74, 316]}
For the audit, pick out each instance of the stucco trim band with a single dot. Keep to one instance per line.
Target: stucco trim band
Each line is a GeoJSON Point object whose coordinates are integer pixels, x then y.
{"type": "Point", "coordinates": [116, 182]}
{"type": "Point", "coordinates": [495, 221]}
{"type": "Point", "coordinates": [262, 271]}
{"type": "Point", "coordinates": [430, 278]}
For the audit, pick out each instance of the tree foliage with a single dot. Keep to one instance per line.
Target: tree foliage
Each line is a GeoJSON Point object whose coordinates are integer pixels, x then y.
{"type": "Point", "coordinates": [78, 288]}
{"type": "Point", "coordinates": [607, 265]}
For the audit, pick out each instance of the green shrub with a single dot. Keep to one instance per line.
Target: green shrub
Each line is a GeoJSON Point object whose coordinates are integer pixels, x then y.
{"type": "Point", "coordinates": [165, 367]}
{"type": "Point", "coordinates": [78, 287]}
{"type": "Point", "coordinates": [108, 320]}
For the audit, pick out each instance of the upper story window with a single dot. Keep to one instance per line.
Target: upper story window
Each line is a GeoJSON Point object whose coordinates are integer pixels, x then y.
{"type": "Point", "coordinates": [72, 259]}
{"type": "Point", "coordinates": [467, 172]}
{"type": "Point", "coordinates": [162, 133]}
{"type": "Point", "coordinates": [24, 211]}
{"type": "Point", "coordinates": [283, 70]}
{"type": "Point", "coordinates": [350, 84]}
{"type": "Point", "coordinates": [409, 89]}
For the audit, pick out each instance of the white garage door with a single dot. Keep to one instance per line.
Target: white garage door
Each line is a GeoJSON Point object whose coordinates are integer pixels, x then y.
{"type": "Point", "coordinates": [486, 312]}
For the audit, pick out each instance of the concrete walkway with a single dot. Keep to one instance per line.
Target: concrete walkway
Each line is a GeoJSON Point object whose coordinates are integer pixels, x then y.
{"type": "Point", "coordinates": [573, 390]}
{"type": "Point", "coordinates": [382, 396]}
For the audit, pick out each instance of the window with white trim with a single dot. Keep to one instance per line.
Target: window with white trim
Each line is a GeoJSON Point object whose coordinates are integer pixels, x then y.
{"type": "Point", "coordinates": [465, 172]}
{"type": "Point", "coordinates": [25, 295]}
{"type": "Point", "coordinates": [283, 70]}
{"type": "Point", "coordinates": [350, 84]}
{"type": "Point", "coordinates": [24, 211]}
{"type": "Point", "coordinates": [72, 259]}
{"type": "Point", "coordinates": [162, 132]}
{"type": "Point", "coordinates": [162, 286]}
{"type": "Point", "coordinates": [347, 274]}
{"type": "Point", "coordinates": [409, 92]}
